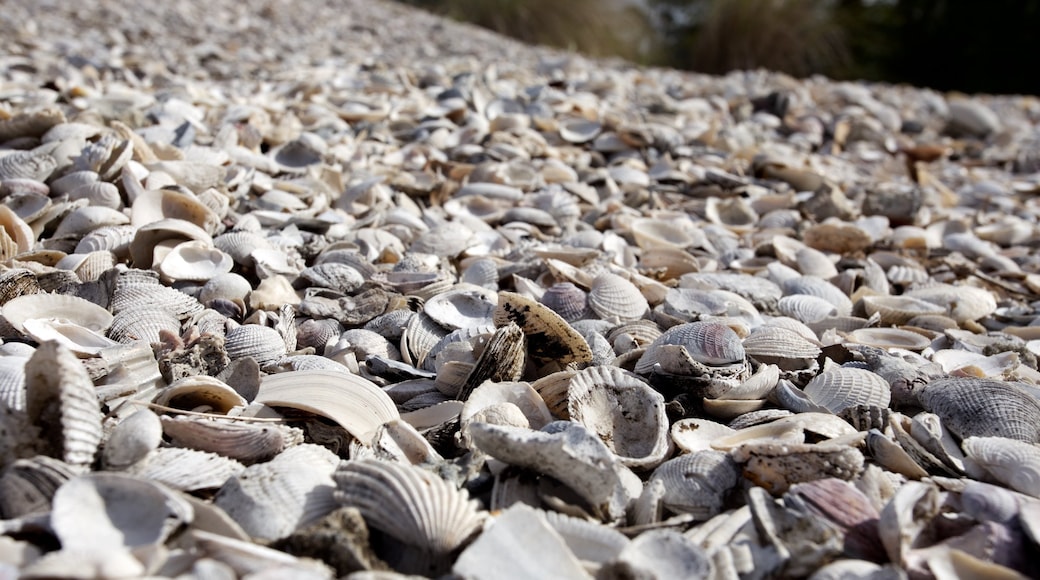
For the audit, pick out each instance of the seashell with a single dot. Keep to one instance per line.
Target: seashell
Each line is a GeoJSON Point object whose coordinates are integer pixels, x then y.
{"type": "Point", "coordinates": [661, 553]}
{"type": "Point", "coordinates": [354, 403]}
{"type": "Point", "coordinates": [697, 483]}
{"type": "Point", "coordinates": [18, 235]}
{"type": "Point", "coordinates": [99, 194]}
{"type": "Point", "coordinates": [429, 518]}
{"type": "Point", "coordinates": [973, 407]}
{"type": "Point", "coordinates": [132, 439]}
{"type": "Point", "coordinates": [567, 300]}
{"type": "Point", "coordinates": [962, 303]}
{"type": "Point", "coordinates": [806, 308]}
{"type": "Point", "coordinates": [692, 435]}
{"type": "Point", "coordinates": [833, 235]}
{"type": "Point", "coordinates": [196, 176]}
{"type": "Point", "coordinates": [735, 213]}
{"type": "Point", "coordinates": [195, 261]}
{"type": "Point", "coordinates": [56, 307]}
{"type": "Point", "coordinates": [86, 219]}
{"type": "Point", "coordinates": [579, 130]}
{"type": "Point", "coordinates": [462, 307]}
{"type": "Point", "coordinates": [651, 234]}
{"type": "Point", "coordinates": [226, 286]}
{"type": "Point", "coordinates": [889, 338]}
{"type": "Point", "coordinates": [504, 548]}
{"type": "Point", "coordinates": [261, 343]}
{"type": "Point", "coordinates": [124, 513]}
{"type": "Point", "coordinates": [88, 267]}
{"type": "Point", "coordinates": [845, 387]}
{"type": "Point", "coordinates": [628, 337]}
{"type": "Point", "coordinates": [626, 414]}
{"type": "Point", "coordinates": [115, 239]}
{"type": "Point", "coordinates": [777, 466]}
{"type": "Point", "coordinates": [549, 337]}
{"type": "Point", "coordinates": [898, 310]}
{"type": "Point", "coordinates": [168, 232]}
{"type": "Point", "coordinates": [17, 282]}
{"type": "Point", "coordinates": [240, 245]}
{"type": "Point", "coordinates": [709, 343]}
{"type": "Point", "coordinates": [1015, 464]}
{"type": "Point", "coordinates": [200, 393]}
{"type": "Point", "coordinates": [35, 123]}
{"type": "Point", "coordinates": [26, 165]}
{"type": "Point", "coordinates": [616, 299]}
{"type": "Point", "coordinates": [569, 453]}
{"type": "Point", "coordinates": [60, 397]}
{"type": "Point", "coordinates": [905, 517]}
{"type": "Point", "coordinates": [142, 323]}
{"type": "Point", "coordinates": [28, 485]}
{"type": "Point", "coordinates": [185, 469]}
{"type": "Point", "coordinates": [271, 500]}
{"type": "Point", "coordinates": [785, 348]}
{"type": "Point", "coordinates": [553, 390]}
{"type": "Point", "coordinates": [334, 275]}
{"type": "Point", "coordinates": [819, 287]}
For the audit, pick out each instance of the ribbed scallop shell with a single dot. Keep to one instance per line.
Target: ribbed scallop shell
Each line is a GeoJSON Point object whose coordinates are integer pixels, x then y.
{"type": "Point", "coordinates": [624, 412]}
{"type": "Point", "coordinates": [889, 338]}
{"type": "Point", "coordinates": [240, 245]}
{"type": "Point", "coordinates": [806, 308]}
{"type": "Point", "coordinates": [334, 275]}
{"type": "Point", "coordinates": [973, 407]}
{"type": "Point", "coordinates": [61, 400]}
{"type": "Point", "coordinates": [247, 442]}
{"type": "Point", "coordinates": [429, 517]}
{"type": "Point", "coordinates": [710, 343]}
{"type": "Point", "coordinates": [1015, 464]}
{"type": "Point", "coordinates": [317, 333]}
{"type": "Point", "coordinates": [567, 300]}
{"type": "Point", "coordinates": [186, 469]}
{"type": "Point", "coordinates": [12, 382]}
{"type": "Point", "coordinates": [26, 165]}
{"type": "Point", "coordinates": [813, 286]}
{"type": "Point", "coordinates": [271, 500]}
{"type": "Point", "coordinates": [638, 334]}
{"type": "Point", "coordinates": [614, 298]}
{"type": "Point", "coordinates": [482, 272]}
{"type": "Point", "coordinates": [847, 387]}
{"type": "Point", "coordinates": [264, 344]}
{"type": "Point", "coordinates": [149, 293]}
{"type": "Point", "coordinates": [697, 483]}
{"type": "Point", "coordinates": [142, 323]}
{"type": "Point", "coordinates": [772, 345]}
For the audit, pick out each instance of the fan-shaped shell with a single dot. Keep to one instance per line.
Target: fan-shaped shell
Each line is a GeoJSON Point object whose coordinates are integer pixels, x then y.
{"type": "Point", "coordinates": [973, 407]}
{"type": "Point", "coordinates": [87, 219]}
{"type": "Point", "coordinates": [780, 346]}
{"type": "Point", "coordinates": [697, 483]}
{"type": "Point", "coordinates": [814, 286]}
{"type": "Point", "coordinates": [264, 344]}
{"type": "Point", "coordinates": [60, 399]}
{"type": "Point", "coordinates": [708, 342]}
{"type": "Point", "coordinates": [142, 323]}
{"type": "Point", "coordinates": [614, 298]}
{"type": "Point", "coordinates": [624, 412]}
{"type": "Point", "coordinates": [1015, 464]}
{"type": "Point", "coordinates": [650, 233]}
{"type": "Point", "coordinates": [270, 500]}
{"type": "Point", "coordinates": [846, 387]}
{"type": "Point", "coordinates": [422, 511]}
{"type": "Point", "coordinates": [185, 469]}
{"type": "Point", "coordinates": [806, 308]}
{"type": "Point", "coordinates": [567, 300]}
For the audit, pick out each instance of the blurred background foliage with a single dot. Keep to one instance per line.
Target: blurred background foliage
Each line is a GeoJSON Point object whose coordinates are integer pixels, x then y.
{"type": "Point", "coordinates": [944, 44]}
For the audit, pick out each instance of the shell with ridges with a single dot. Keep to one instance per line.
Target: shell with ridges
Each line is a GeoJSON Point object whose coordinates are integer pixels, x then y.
{"type": "Point", "coordinates": [614, 298]}
{"type": "Point", "coordinates": [974, 407]}
{"type": "Point", "coordinates": [845, 387]}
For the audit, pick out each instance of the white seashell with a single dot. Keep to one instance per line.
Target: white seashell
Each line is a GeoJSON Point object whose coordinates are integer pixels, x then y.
{"type": "Point", "coordinates": [356, 404]}
{"type": "Point", "coordinates": [185, 469]}
{"type": "Point", "coordinates": [805, 308]}
{"type": "Point", "coordinates": [962, 303]}
{"type": "Point", "coordinates": [896, 310]}
{"type": "Point", "coordinates": [261, 343]}
{"type": "Point", "coordinates": [200, 393]}
{"type": "Point", "coordinates": [167, 232]}
{"type": "Point", "coordinates": [196, 261]}
{"type": "Point", "coordinates": [227, 286]}
{"type": "Point", "coordinates": [87, 219]}
{"type": "Point", "coordinates": [520, 396]}
{"type": "Point", "coordinates": [1015, 464]}
{"type": "Point", "coordinates": [614, 298]}
{"type": "Point", "coordinates": [626, 414]}
{"type": "Point", "coordinates": [271, 500]}
{"type": "Point", "coordinates": [60, 397]}
{"type": "Point", "coordinates": [132, 439]}
{"type": "Point", "coordinates": [462, 307]}
{"type": "Point", "coordinates": [697, 483]}
{"type": "Point", "coordinates": [846, 387]}
{"type": "Point", "coordinates": [692, 435]}
{"type": "Point", "coordinates": [661, 553]}
{"type": "Point", "coordinates": [428, 517]}
{"type": "Point", "coordinates": [709, 343]}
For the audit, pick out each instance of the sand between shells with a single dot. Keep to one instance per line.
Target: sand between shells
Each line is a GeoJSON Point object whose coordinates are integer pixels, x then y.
{"type": "Point", "coordinates": [355, 300]}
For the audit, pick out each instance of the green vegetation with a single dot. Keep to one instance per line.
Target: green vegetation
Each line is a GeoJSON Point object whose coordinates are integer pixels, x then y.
{"type": "Point", "coordinates": [945, 44]}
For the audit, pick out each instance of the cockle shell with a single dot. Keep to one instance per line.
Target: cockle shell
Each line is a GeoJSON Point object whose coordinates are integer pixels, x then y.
{"type": "Point", "coordinates": [261, 343]}
{"type": "Point", "coordinates": [697, 483]}
{"type": "Point", "coordinates": [806, 308]}
{"type": "Point", "coordinates": [60, 398]}
{"type": "Point", "coordinates": [973, 407]}
{"type": "Point", "coordinates": [567, 300]}
{"type": "Point", "coordinates": [896, 310]}
{"type": "Point", "coordinates": [462, 307]}
{"type": "Point", "coordinates": [270, 500]}
{"type": "Point", "coordinates": [1015, 464]}
{"type": "Point", "coordinates": [782, 347]}
{"type": "Point", "coordinates": [624, 412]}
{"type": "Point", "coordinates": [428, 517]}
{"type": "Point", "coordinates": [196, 261]}
{"type": "Point", "coordinates": [614, 298]}
{"type": "Point", "coordinates": [845, 387]}
{"type": "Point", "coordinates": [710, 343]}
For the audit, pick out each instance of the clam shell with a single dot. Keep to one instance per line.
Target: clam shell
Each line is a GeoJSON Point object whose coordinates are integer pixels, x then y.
{"type": "Point", "coordinates": [427, 516]}
{"type": "Point", "coordinates": [185, 469]}
{"type": "Point", "coordinates": [60, 398]}
{"type": "Point", "coordinates": [356, 404]}
{"type": "Point", "coordinates": [56, 306]}
{"type": "Point", "coordinates": [549, 337]}
{"type": "Point", "coordinates": [807, 309]}
{"type": "Point", "coordinates": [462, 307]}
{"type": "Point", "coordinates": [624, 412]}
{"type": "Point", "coordinates": [710, 343]}
{"type": "Point", "coordinates": [821, 288]}
{"type": "Point", "coordinates": [87, 219]}
{"type": "Point", "coordinates": [962, 303]}
{"type": "Point", "coordinates": [697, 483]}
{"type": "Point", "coordinates": [261, 343]}
{"type": "Point", "coordinates": [567, 300]}
{"type": "Point", "coordinates": [782, 347]}
{"type": "Point", "coordinates": [200, 393]}
{"type": "Point", "coordinates": [271, 500]}
{"type": "Point", "coordinates": [195, 261]}
{"type": "Point", "coordinates": [889, 338]}
{"type": "Point", "coordinates": [973, 407]}
{"type": "Point", "coordinates": [844, 387]}
{"type": "Point", "coordinates": [132, 439]}
{"type": "Point", "coordinates": [692, 435]}
{"type": "Point", "coordinates": [897, 310]}
{"type": "Point", "coordinates": [661, 553]}
{"type": "Point", "coordinates": [142, 323]}
{"type": "Point", "coordinates": [616, 299]}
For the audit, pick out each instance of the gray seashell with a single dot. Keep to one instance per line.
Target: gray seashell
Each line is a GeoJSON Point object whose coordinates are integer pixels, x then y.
{"type": "Point", "coordinates": [60, 398]}
{"type": "Point", "coordinates": [962, 303]}
{"type": "Point", "coordinates": [333, 275]}
{"type": "Point", "coordinates": [709, 343]}
{"type": "Point", "coordinates": [814, 286]}
{"type": "Point", "coordinates": [271, 500]}
{"type": "Point", "coordinates": [35, 123]}
{"type": "Point", "coordinates": [12, 382]}
{"type": "Point", "coordinates": [785, 348]}
{"type": "Point", "coordinates": [615, 298]}
{"type": "Point", "coordinates": [761, 292]}
{"type": "Point", "coordinates": [142, 323]}
{"type": "Point", "coordinates": [697, 483]}
{"type": "Point", "coordinates": [567, 300]}
{"type": "Point", "coordinates": [261, 343]}
{"type": "Point", "coordinates": [428, 517]}
{"type": "Point", "coordinates": [98, 193]}
{"type": "Point", "coordinates": [318, 333]}
{"type": "Point", "coordinates": [26, 165]}
{"type": "Point", "coordinates": [482, 272]}
{"type": "Point", "coordinates": [973, 407]}
{"type": "Point", "coordinates": [898, 310]}
{"type": "Point", "coordinates": [462, 307]}
{"type": "Point", "coordinates": [571, 454]}
{"type": "Point", "coordinates": [28, 485]}
{"type": "Point", "coordinates": [661, 553]}
{"type": "Point", "coordinates": [185, 469]}
{"type": "Point", "coordinates": [132, 439]}
{"type": "Point", "coordinates": [971, 118]}
{"type": "Point", "coordinates": [240, 245]}
{"type": "Point", "coordinates": [844, 387]}
{"type": "Point", "coordinates": [806, 308]}
{"type": "Point", "coordinates": [115, 239]}
{"type": "Point", "coordinates": [1015, 464]}
{"type": "Point", "coordinates": [776, 466]}
{"type": "Point", "coordinates": [626, 414]}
